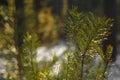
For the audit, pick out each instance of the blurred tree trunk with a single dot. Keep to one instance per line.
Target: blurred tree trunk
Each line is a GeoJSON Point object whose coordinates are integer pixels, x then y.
{"type": "Point", "coordinates": [11, 8]}
{"type": "Point", "coordinates": [19, 29]}
{"type": "Point", "coordinates": [57, 5]}
{"type": "Point", "coordinates": [37, 5]}
{"type": "Point", "coordinates": [110, 11]}
{"type": "Point", "coordinates": [3, 3]}
{"type": "Point", "coordinates": [29, 14]}
{"type": "Point", "coordinates": [64, 8]}
{"type": "Point", "coordinates": [118, 14]}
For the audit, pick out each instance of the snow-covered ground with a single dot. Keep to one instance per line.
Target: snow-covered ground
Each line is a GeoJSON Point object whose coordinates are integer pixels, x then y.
{"type": "Point", "coordinates": [2, 65]}
{"type": "Point", "coordinates": [45, 53]}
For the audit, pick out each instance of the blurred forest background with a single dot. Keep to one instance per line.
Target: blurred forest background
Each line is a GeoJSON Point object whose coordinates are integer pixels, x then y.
{"type": "Point", "coordinates": [47, 18]}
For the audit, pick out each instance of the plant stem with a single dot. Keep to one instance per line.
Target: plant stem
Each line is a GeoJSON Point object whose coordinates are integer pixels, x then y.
{"type": "Point", "coordinates": [82, 68]}
{"type": "Point", "coordinates": [106, 66]}
{"type": "Point", "coordinates": [18, 51]}
{"type": "Point", "coordinates": [83, 55]}
{"type": "Point", "coordinates": [32, 62]}
{"type": "Point", "coordinates": [67, 68]}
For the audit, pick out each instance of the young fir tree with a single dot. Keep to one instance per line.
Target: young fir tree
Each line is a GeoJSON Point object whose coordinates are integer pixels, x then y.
{"type": "Point", "coordinates": [87, 32]}
{"type": "Point", "coordinates": [32, 69]}
{"type": "Point", "coordinates": [30, 65]}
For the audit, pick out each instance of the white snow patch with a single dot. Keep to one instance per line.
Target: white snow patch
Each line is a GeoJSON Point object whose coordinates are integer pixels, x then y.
{"type": "Point", "coordinates": [44, 53]}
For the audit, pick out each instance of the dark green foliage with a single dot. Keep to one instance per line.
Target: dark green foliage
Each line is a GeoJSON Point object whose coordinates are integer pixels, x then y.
{"type": "Point", "coordinates": [84, 28]}
{"type": "Point", "coordinates": [33, 69]}
{"type": "Point", "coordinates": [29, 63]}
{"type": "Point", "coordinates": [88, 32]}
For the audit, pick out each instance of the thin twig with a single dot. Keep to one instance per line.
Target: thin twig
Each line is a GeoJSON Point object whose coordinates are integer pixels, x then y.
{"type": "Point", "coordinates": [105, 69]}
